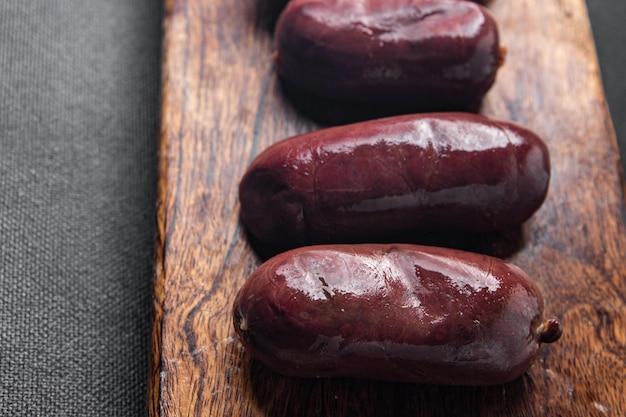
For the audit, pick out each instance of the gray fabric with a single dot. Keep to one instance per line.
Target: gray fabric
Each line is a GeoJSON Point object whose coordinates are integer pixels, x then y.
{"type": "Point", "coordinates": [79, 83]}
{"type": "Point", "coordinates": [608, 19]}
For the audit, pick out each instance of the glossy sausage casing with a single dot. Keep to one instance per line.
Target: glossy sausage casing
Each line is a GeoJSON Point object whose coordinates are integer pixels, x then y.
{"type": "Point", "coordinates": [455, 172]}
{"type": "Point", "coordinates": [430, 54]}
{"type": "Point", "coordinates": [392, 312]}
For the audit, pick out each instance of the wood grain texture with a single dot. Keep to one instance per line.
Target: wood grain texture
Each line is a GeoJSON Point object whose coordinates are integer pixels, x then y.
{"type": "Point", "coordinates": [222, 104]}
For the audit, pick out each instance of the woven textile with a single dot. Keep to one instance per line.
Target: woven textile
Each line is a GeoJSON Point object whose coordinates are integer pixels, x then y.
{"type": "Point", "coordinates": [607, 22]}
{"type": "Point", "coordinates": [79, 83]}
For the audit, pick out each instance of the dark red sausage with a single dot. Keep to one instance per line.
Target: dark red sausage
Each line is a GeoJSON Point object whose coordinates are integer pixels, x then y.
{"type": "Point", "coordinates": [453, 172]}
{"type": "Point", "coordinates": [393, 312]}
{"type": "Point", "coordinates": [276, 6]}
{"type": "Point", "coordinates": [427, 54]}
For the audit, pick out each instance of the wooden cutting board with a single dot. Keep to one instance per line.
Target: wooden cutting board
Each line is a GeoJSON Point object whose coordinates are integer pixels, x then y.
{"type": "Point", "coordinates": [222, 105]}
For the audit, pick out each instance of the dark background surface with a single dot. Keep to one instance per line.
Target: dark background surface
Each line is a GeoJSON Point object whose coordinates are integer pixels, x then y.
{"type": "Point", "coordinates": [608, 22]}
{"type": "Point", "coordinates": [79, 102]}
